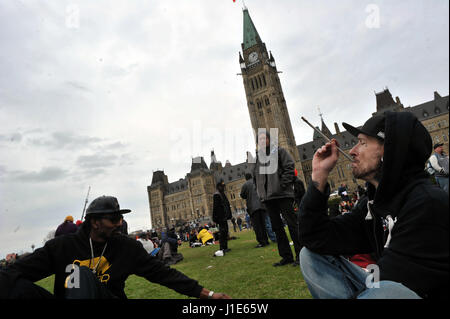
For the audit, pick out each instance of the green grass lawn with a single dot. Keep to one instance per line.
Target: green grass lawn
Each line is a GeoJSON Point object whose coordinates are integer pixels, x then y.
{"type": "Point", "coordinates": [245, 273]}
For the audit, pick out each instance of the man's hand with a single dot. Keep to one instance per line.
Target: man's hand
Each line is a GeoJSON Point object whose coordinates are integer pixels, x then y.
{"type": "Point", "coordinates": [217, 295]}
{"type": "Point", "coordinates": [323, 162]}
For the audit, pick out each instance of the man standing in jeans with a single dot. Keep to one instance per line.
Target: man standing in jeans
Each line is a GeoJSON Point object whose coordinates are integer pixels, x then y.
{"type": "Point", "coordinates": [274, 175]}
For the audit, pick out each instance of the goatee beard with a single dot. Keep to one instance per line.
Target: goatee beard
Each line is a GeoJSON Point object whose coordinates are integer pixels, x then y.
{"type": "Point", "coordinates": [378, 173]}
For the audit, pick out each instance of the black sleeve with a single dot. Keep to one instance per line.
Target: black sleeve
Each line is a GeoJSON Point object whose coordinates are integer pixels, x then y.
{"type": "Point", "coordinates": [33, 267]}
{"type": "Point", "coordinates": [244, 191]}
{"type": "Point", "coordinates": [218, 211]}
{"type": "Point", "coordinates": [343, 234]}
{"type": "Point", "coordinates": [37, 265]}
{"type": "Point", "coordinates": [287, 167]}
{"type": "Point", "coordinates": [255, 169]}
{"type": "Point", "coordinates": [155, 271]}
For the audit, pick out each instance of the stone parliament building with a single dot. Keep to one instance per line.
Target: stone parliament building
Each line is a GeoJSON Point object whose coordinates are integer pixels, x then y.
{"type": "Point", "coordinates": [190, 198]}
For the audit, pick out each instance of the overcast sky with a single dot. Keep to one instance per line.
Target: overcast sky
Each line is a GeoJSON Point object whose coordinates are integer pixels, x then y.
{"type": "Point", "coordinates": [103, 93]}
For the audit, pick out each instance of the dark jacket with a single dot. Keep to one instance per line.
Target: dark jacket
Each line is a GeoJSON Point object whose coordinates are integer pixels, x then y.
{"type": "Point", "coordinates": [299, 190]}
{"type": "Point", "coordinates": [221, 208]}
{"type": "Point", "coordinates": [123, 256]}
{"type": "Point", "coordinates": [415, 252]}
{"type": "Point", "coordinates": [171, 237]}
{"type": "Point", "coordinates": [274, 175]}
{"type": "Point", "coordinates": [248, 192]}
{"type": "Point", "coordinates": [65, 228]}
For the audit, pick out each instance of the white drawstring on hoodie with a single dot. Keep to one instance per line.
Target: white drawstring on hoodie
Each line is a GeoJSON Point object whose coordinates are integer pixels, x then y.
{"type": "Point", "coordinates": [391, 223]}
{"type": "Point", "coordinates": [389, 220]}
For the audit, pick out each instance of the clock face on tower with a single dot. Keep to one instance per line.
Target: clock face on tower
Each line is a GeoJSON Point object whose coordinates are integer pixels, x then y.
{"type": "Point", "coordinates": [253, 57]}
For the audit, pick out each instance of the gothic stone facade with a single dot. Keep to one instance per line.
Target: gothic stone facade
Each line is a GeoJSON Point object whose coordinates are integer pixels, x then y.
{"type": "Point", "coordinates": [190, 198]}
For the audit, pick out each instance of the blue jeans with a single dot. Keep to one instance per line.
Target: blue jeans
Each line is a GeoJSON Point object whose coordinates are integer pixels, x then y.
{"type": "Point", "coordinates": [334, 277]}
{"type": "Point", "coordinates": [270, 232]}
{"type": "Point", "coordinates": [442, 181]}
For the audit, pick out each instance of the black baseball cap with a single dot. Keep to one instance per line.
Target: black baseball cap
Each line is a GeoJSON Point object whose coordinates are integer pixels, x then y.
{"type": "Point", "coordinates": [373, 127]}
{"type": "Point", "coordinates": [105, 205]}
{"type": "Point", "coordinates": [437, 145]}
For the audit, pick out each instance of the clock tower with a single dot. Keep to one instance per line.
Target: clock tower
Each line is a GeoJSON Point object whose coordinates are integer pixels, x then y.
{"type": "Point", "coordinates": [265, 98]}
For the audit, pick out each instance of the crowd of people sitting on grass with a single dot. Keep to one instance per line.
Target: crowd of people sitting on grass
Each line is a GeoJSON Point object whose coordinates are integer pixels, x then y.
{"type": "Point", "coordinates": [163, 243]}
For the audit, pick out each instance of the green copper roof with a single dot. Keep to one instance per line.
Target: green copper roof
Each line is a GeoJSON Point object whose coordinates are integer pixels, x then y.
{"type": "Point", "coordinates": [316, 135]}
{"type": "Point", "coordinates": [251, 36]}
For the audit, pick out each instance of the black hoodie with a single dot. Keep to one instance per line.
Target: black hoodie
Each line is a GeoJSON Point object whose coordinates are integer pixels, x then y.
{"type": "Point", "coordinates": [415, 252]}
{"type": "Point", "coordinates": [123, 256]}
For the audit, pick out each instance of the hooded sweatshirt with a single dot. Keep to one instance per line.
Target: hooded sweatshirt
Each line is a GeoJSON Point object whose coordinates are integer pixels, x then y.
{"type": "Point", "coordinates": [122, 257]}
{"type": "Point", "coordinates": [404, 222]}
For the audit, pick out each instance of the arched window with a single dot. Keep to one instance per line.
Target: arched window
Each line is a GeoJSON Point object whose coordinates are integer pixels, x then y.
{"type": "Point", "coordinates": [267, 100]}
{"type": "Point", "coordinates": [264, 80]}
{"type": "Point", "coordinates": [259, 104]}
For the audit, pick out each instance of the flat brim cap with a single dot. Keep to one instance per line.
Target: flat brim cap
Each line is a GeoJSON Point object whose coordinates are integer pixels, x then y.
{"type": "Point", "coordinates": [373, 127]}
{"type": "Point", "coordinates": [105, 205]}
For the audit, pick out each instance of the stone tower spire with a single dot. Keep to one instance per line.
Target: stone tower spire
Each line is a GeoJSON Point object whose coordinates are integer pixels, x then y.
{"type": "Point", "coordinates": [265, 99]}
{"type": "Point", "coordinates": [324, 128]}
